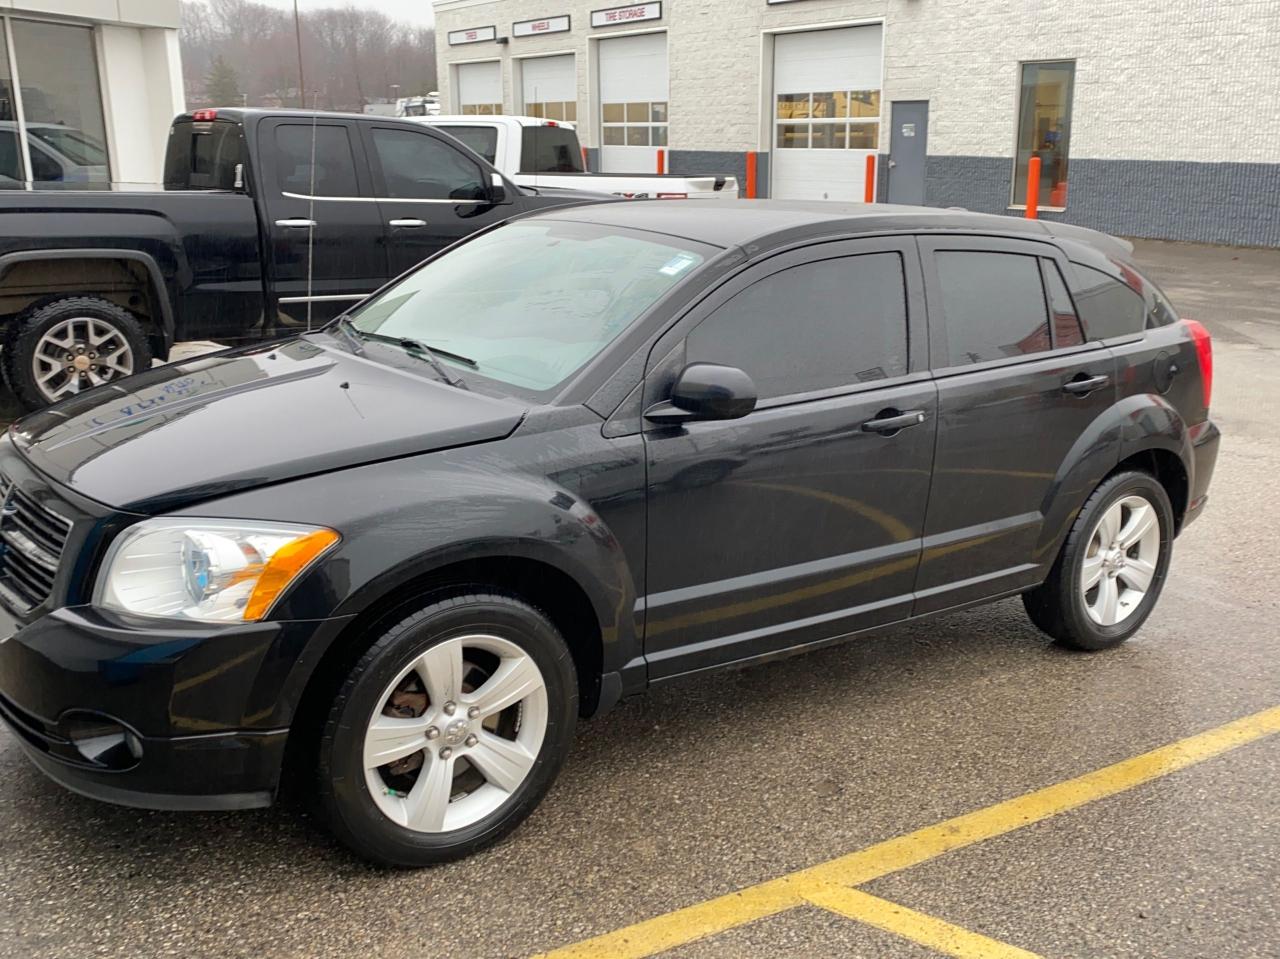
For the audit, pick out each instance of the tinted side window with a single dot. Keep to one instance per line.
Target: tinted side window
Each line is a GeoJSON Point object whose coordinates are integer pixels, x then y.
{"type": "Point", "coordinates": [335, 168]}
{"type": "Point", "coordinates": [812, 327]}
{"type": "Point", "coordinates": [1066, 328]}
{"type": "Point", "coordinates": [993, 305]}
{"type": "Point", "coordinates": [550, 150]}
{"type": "Point", "coordinates": [483, 140]}
{"type": "Point", "coordinates": [1107, 306]}
{"type": "Point", "coordinates": [203, 156]}
{"type": "Point", "coordinates": [416, 166]}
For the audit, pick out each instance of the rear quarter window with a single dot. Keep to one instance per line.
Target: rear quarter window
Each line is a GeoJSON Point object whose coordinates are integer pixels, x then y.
{"type": "Point", "coordinates": [1107, 307]}
{"type": "Point", "coordinates": [547, 149]}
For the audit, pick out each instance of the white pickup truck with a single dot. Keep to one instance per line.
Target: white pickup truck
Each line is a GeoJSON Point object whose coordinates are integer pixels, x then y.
{"type": "Point", "coordinates": [545, 153]}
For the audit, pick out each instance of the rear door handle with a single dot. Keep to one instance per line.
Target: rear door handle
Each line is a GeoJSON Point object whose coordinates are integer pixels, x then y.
{"type": "Point", "coordinates": [890, 421]}
{"type": "Point", "coordinates": [407, 222]}
{"type": "Point", "coordinates": [1087, 385]}
{"type": "Point", "coordinates": [296, 223]}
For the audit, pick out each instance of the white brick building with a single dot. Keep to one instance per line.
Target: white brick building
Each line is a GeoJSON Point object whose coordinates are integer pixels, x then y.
{"type": "Point", "coordinates": [1150, 117]}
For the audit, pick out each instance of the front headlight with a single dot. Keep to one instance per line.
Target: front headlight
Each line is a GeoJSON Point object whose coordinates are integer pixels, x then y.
{"type": "Point", "coordinates": [215, 571]}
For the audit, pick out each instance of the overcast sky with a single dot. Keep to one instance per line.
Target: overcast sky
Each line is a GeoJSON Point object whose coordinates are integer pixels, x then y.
{"type": "Point", "coordinates": [417, 12]}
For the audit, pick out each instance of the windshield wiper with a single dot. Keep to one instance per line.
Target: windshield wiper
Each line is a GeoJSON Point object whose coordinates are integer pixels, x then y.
{"type": "Point", "coordinates": [343, 322]}
{"type": "Point", "coordinates": [430, 354]}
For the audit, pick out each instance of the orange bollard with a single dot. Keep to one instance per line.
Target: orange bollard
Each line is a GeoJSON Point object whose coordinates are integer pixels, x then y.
{"type": "Point", "coordinates": [585, 165]}
{"type": "Point", "coordinates": [1033, 188]}
{"type": "Point", "coordinates": [751, 174]}
{"type": "Point", "coordinates": [869, 194]}
{"type": "Point", "coordinates": [662, 162]}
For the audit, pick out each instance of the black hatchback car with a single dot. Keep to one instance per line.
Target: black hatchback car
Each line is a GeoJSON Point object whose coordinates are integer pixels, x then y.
{"type": "Point", "coordinates": [582, 453]}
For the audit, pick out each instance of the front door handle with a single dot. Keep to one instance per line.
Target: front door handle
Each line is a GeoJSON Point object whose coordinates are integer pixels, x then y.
{"type": "Point", "coordinates": [1080, 387]}
{"type": "Point", "coordinates": [407, 222]}
{"type": "Point", "coordinates": [296, 223]}
{"type": "Point", "coordinates": [888, 422]}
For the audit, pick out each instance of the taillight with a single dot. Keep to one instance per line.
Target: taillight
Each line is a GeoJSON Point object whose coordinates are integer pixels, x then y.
{"type": "Point", "coordinates": [200, 116]}
{"type": "Point", "coordinates": [1204, 353]}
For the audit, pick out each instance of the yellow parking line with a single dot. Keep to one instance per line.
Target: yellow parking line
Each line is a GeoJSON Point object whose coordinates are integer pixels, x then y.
{"type": "Point", "coordinates": [929, 931]}
{"type": "Point", "coordinates": [776, 895]}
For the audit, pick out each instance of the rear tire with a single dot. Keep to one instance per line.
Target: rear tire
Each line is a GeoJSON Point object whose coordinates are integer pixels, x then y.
{"type": "Point", "coordinates": [463, 769]}
{"type": "Point", "coordinates": [62, 347]}
{"type": "Point", "coordinates": [1112, 567]}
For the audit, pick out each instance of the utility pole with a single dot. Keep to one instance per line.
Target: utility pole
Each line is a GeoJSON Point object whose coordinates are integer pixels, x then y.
{"type": "Point", "coordinates": [297, 32]}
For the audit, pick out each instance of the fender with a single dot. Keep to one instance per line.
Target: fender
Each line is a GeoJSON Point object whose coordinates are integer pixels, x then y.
{"type": "Point", "coordinates": [1133, 425]}
{"type": "Point", "coordinates": [430, 515]}
{"type": "Point", "coordinates": [159, 286]}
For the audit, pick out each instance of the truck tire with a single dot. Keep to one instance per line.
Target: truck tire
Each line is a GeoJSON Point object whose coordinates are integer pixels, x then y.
{"type": "Point", "coordinates": [58, 348]}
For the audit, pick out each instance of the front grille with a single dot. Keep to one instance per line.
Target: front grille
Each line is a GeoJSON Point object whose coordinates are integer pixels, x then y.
{"type": "Point", "coordinates": [32, 538]}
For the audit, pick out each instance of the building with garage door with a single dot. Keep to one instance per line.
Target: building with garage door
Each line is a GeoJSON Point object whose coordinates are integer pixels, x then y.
{"type": "Point", "coordinates": [88, 89]}
{"type": "Point", "coordinates": [1149, 117]}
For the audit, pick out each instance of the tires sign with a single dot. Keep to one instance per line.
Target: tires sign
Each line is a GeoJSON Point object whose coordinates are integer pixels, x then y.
{"type": "Point", "coordinates": [472, 35]}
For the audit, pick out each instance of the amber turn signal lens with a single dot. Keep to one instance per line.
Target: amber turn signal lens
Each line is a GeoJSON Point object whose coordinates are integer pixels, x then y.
{"type": "Point", "coordinates": [284, 567]}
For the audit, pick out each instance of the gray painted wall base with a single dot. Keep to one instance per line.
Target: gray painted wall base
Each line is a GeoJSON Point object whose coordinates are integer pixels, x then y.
{"type": "Point", "coordinates": [732, 162]}
{"type": "Point", "coordinates": [1231, 203]}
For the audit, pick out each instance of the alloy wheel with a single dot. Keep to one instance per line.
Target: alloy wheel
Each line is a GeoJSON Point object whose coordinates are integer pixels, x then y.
{"type": "Point", "coordinates": [1119, 565]}
{"type": "Point", "coordinates": [78, 353]}
{"type": "Point", "coordinates": [456, 734]}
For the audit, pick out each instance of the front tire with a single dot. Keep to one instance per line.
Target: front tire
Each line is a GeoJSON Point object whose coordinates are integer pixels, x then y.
{"type": "Point", "coordinates": [448, 731]}
{"type": "Point", "coordinates": [1112, 567]}
{"type": "Point", "coordinates": [65, 346]}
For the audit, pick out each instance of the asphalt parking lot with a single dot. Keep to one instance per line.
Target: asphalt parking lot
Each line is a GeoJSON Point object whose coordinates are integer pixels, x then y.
{"type": "Point", "coordinates": [1120, 804]}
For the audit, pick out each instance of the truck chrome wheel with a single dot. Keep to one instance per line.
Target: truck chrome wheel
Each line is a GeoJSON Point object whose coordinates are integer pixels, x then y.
{"type": "Point", "coordinates": [79, 353]}
{"type": "Point", "coordinates": [1120, 561]}
{"type": "Point", "coordinates": [456, 734]}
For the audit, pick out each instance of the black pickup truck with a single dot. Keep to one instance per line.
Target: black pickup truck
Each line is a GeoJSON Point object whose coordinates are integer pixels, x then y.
{"type": "Point", "coordinates": [269, 222]}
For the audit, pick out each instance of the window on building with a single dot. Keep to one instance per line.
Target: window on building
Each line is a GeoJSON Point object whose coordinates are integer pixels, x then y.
{"type": "Point", "coordinates": [482, 109]}
{"type": "Point", "coordinates": [993, 305]}
{"type": "Point", "coordinates": [334, 173]}
{"type": "Point", "coordinates": [553, 110]}
{"type": "Point", "coordinates": [813, 327]}
{"type": "Point", "coordinates": [1107, 306]}
{"type": "Point", "coordinates": [11, 174]}
{"type": "Point", "coordinates": [634, 124]}
{"type": "Point", "coordinates": [417, 166]}
{"type": "Point", "coordinates": [829, 120]}
{"type": "Point", "coordinates": [1044, 129]}
{"type": "Point", "coordinates": [61, 103]}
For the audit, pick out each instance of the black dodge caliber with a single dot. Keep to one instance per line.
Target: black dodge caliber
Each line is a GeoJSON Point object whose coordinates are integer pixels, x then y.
{"type": "Point", "coordinates": [576, 455]}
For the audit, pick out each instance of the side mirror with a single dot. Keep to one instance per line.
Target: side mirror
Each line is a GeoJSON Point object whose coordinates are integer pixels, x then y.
{"type": "Point", "coordinates": [498, 189]}
{"type": "Point", "coordinates": [706, 391]}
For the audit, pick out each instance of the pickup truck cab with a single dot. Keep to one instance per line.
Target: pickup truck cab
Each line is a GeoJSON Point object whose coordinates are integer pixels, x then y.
{"type": "Point", "coordinates": [545, 153]}
{"type": "Point", "coordinates": [269, 222]}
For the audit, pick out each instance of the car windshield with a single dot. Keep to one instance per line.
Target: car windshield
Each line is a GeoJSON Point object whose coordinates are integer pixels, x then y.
{"type": "Point", "coordinates": [532, 302]}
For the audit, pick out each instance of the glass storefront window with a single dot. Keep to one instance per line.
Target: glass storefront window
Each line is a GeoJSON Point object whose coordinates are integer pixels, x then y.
{"type": "Point", "coordinates": [1044, 130]}
{"type": "Point", "coordinates": [10, 151]}
{"type": "Point", "coordinates": [61, 104]}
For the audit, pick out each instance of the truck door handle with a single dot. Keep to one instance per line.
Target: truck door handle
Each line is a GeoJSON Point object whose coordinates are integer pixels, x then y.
{"type": "Point", "coordinates": [888, 422]}
{"type": "Point", "coordinates": [407, 222]}
{"type": "Point", "coordinates": [296, 223]}
{"type": "Point", "coordinates": [1080, 387]}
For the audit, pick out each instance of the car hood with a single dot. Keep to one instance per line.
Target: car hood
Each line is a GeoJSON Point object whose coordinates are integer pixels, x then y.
{"type": "Point", "coordinates": [218, 424]}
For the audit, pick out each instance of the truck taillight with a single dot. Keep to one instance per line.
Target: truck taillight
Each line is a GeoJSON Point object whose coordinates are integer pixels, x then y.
{"type": "Point", "coordinates": [200, 116]}
{"type": "Point", "coordinates": [1204, 354]}
{"type": "Point", "coordinates": [550, 123]}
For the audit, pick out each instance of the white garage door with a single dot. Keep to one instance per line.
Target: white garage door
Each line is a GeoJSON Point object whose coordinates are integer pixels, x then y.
{"type": "Point", "coordinates": [549, 87]}
{"type": "Point", "coordinates": [826, 118]}
{"type": "Point", "coordinates": [480, 88]}
{"type": "Point", "coordinates": [633, 102]}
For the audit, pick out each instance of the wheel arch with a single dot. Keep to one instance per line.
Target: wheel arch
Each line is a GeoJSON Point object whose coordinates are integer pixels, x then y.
{"type": "Point", "coordinates": [156, 289]}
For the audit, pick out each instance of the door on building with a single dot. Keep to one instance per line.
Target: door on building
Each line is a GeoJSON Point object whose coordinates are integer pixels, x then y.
{"type": "Point", "coordinates": [633, 102]}
{"type": "Point", "coordinates": [826, 112]}
{"type": "Point", "coordinates": [480, 88]}
{"type": "Point", "coordinates": [549, 87]}
{"type": "Point", "coordinates": [908, 147]}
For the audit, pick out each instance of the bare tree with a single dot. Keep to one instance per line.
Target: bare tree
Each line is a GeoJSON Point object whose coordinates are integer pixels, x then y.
{"type": "Point", "coordinates": [351, 56]}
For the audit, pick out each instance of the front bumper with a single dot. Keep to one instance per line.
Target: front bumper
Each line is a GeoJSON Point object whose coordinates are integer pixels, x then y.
{"type": "Point", "coordinates": [201, 707]}
{"type": "Point", "coordinates": [1205, 439]}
